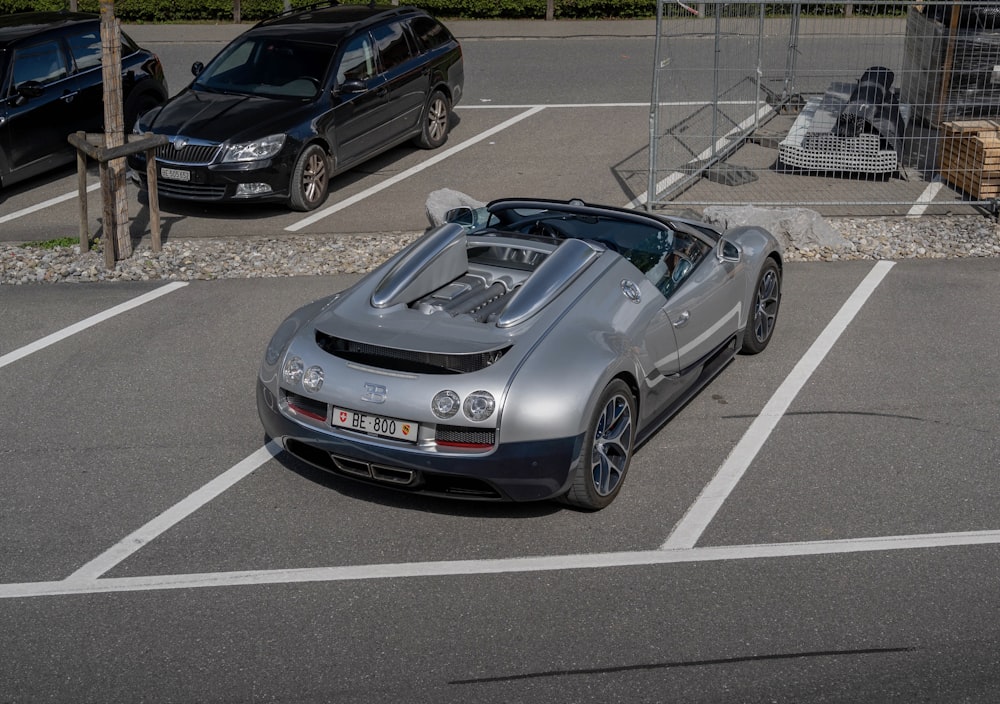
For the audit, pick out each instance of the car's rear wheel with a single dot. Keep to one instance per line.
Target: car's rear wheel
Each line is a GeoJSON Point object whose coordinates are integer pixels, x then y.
{"type": "Point", "coordinates": [607, 450]}
{"type": "Point", "coordinates": [764, 315]}
{"type": "Point", "coordinates": [310, 179]}
{"type": "Point", "coordinates": [436, 117]}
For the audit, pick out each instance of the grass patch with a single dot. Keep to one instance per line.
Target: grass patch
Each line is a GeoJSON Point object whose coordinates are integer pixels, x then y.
{"type": "Point", "coordinates": [59, 242]}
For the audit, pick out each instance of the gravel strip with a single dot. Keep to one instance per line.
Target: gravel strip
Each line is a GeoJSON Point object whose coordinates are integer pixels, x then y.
{"type": "Point", "coordinates": [945, 237]}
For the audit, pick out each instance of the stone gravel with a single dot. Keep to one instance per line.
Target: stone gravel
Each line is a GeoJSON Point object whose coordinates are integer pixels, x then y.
{"type": "Point", "coordinates": [929, 237]}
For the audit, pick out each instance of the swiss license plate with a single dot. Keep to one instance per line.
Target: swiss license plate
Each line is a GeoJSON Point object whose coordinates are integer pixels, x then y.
{"type": "Point", "coordinates": [375, 425]}
{"type": "Point", "coordinates": [175, 174]}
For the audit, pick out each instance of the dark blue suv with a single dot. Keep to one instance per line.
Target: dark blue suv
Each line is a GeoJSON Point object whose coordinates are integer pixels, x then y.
{"type": "Point", "coordinates": [302, 96]}
{"type": "Point", "coordinates": [51, 85]}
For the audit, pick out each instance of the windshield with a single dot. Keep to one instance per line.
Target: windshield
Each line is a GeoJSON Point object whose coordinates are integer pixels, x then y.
{"type": "Point", "coordinates": [665, 256]}
{"type": "Point", "coordinates": [267, 66]}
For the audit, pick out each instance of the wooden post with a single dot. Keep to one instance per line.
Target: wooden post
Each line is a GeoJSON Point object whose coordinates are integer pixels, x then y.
{"type": "Point", "coordinates": [154, 196]}
{"type": "Point", "coordinates": [117, 241]}
{"type": "Point", "coordinates": [237, 12]}
{"type": "Point", "coordinates": [81, 185]}
{"type": "Point", "coordinates": [550, 10]}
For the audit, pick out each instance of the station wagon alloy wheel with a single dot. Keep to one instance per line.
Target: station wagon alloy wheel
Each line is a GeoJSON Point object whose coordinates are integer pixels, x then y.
{"type": "Point", "coordinates": [310, 179]}
{"type": "Point", "coordinates": [435, 122]}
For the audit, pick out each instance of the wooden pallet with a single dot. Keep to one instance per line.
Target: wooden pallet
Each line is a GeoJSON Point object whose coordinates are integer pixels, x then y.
{"type": "Point", "coordinates": [970, 157]}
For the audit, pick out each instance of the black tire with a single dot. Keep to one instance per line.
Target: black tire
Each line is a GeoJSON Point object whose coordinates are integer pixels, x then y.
{"type": "Point", "coordinates": [136, 106]}
{"type": "Point", "coordinates": [310, 179]}
{"type": "Point", "coordinates": [607, 450]}
{"type": "Point", "coordinates": [764, 313]}
{"type": "Point", "coordinates": [435, 121]}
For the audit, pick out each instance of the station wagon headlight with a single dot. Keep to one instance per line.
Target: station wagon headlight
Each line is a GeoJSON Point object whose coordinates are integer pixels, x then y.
{"type": "Point", "coordinates": [256, 150]}
{"type": "Point", "coordinates": [478, 405]}
{"type": "Point", "coordinates": [312, 379]}
{"type": "Point", "coordinates": [445, 404]}
{"type": "Point", "coordinates": [292, 371]}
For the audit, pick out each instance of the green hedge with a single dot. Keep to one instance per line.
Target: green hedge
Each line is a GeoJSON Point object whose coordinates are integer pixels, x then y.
{"type": "Point", "coordinates": [253, 10]}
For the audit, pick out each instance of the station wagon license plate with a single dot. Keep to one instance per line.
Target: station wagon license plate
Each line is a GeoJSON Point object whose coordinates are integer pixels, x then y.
{"type": "Point", "coordinates": [175, 174]}
{"type": "Point", "coordinates": [375, 425]}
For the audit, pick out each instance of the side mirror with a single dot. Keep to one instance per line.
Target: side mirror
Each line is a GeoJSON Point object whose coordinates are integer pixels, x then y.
{"type": "Point", "coordinates": [728, 251]}
{"type": "Point", "coordinates": [29, 90]}
{"type": "Point", "coordinates": [196, 68]}
{"type": "Point", "coordinates": [353, 87]}
{"type": "Point", "coordinates": [464, 216]}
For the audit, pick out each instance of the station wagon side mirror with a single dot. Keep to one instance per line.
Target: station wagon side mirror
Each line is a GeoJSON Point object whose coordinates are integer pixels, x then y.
{"type": "Point", "coordinates": [353, 87]}
{"type": "Point", "coordinates": [196, 68]}
{"type": "Point", "coordinates": [728, 251]}
{"type": "Point", "coordinates": [28, 90]}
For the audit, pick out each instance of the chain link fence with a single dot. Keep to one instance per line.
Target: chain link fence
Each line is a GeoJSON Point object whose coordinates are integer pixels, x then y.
{"type": "Point", "coordinates": [871, 107]}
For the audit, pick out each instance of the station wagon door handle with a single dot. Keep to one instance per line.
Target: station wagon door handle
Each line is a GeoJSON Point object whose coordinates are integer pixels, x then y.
{"type": "Point", "coordinates": [68, 97]}
{"type": "Point", "coordinates": [682, 319]}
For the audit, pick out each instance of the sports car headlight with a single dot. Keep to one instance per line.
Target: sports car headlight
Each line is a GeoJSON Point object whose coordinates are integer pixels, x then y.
{"type": "Point", "coordinates": [478, 405]}
{"type": "Point", "coordinates": [256, 150]}
{"type": "Point", "coordinates": [291, 373]}
{"type": "Point", "coordinates": [312, 379]}
{"type": "Point", "coordinates": [445, 404]}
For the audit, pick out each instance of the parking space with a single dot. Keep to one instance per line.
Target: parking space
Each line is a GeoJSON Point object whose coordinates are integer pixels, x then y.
{"type": "Point", "coordinates": [488, 150]}
{"type": "Point", "coordinates": [891, 436]}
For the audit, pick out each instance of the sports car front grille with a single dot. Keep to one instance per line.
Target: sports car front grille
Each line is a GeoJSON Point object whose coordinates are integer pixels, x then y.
{"type": "Point", "coordinates": [406, 360]}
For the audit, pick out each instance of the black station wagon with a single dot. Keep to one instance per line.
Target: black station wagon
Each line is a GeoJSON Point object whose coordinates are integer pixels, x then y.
{"type": "Point", "coordinates": [51, 85]}
{"type": "Point", "coordinates": [301, 96]}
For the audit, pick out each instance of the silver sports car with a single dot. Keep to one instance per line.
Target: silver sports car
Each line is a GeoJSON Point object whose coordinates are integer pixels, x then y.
{"type": "Point", "coordinates": [521, 351]}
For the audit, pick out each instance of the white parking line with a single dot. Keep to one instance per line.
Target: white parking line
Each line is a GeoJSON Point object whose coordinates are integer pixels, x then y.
{"type": "Point", "coordinates": [925, 199]}
{"type": "Point", "coordinates": [690, 528]}
{"type": "Point", "coordinates": [555, 563]}
{"type": "Point", "coordinates": [174, 515]}
{"type": "Point", "coordinates": [55, 337]}
{"type": "Point", "coordinates": [403, 175]}
{"type": "Point", "coordinates": [45, 204]}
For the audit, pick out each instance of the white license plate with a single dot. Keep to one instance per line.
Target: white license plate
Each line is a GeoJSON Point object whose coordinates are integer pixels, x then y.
{"type": "Point", "coordinates": [175, 174]}
{"type": "Point", "coordinates": [375, 425]}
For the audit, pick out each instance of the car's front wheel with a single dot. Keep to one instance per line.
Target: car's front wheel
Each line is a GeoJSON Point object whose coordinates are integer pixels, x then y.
{"type": "Point", "coordinates": [310, 179]}
{"type": "Point", "coordinates": [764, 315]}
{"type": "Point", "coordinates": [435, 121]}
{"type": "Point", "coordinates": [607, 450]}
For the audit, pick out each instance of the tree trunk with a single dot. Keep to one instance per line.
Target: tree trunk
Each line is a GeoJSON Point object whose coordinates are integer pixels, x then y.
{"type": "Point", "coordinates": [117, 242]}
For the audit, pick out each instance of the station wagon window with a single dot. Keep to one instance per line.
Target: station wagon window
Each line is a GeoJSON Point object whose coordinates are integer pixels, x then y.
{"type": "Point", "coordinates": [430, 32]}
{"type": "Point", "coordinates": [358, 62]}
{"type": "Point", "coordinates": [86, 49]}
{"type": "Point", "coordinates": [44, 63]}
{"type": "Point", "coordinates": [393, 47]}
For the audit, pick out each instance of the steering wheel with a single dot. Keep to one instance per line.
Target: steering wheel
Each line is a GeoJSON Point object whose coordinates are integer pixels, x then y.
{"type": "Point", "coordinates": [546, 229]}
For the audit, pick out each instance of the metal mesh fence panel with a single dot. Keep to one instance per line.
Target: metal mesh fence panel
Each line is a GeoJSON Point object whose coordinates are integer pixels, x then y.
{"type": "Point", "coordinates": [853, 108]}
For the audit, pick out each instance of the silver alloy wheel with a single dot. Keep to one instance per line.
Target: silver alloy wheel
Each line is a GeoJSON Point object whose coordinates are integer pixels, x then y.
{"type": "Point", "coordinates": [314, 177]}
{"type": "Point", "coordinates": [612, 445]}
{"type": "Point", "coordinates": [437, 119]}
{"type": "Point", "coordinates": [765, 309]}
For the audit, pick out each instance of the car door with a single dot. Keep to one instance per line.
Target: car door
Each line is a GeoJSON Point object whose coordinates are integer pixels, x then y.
{"type": "Point", "coordinates": [40, 103]}
{"type": "Point", "coordinates": [359, 95]}
{"type": "Point", "coordinates": [407, 80]}
{"type": "Point", "coordinates": [704, 296]}
{"type": "Point", "coordinates": [85, 52]}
